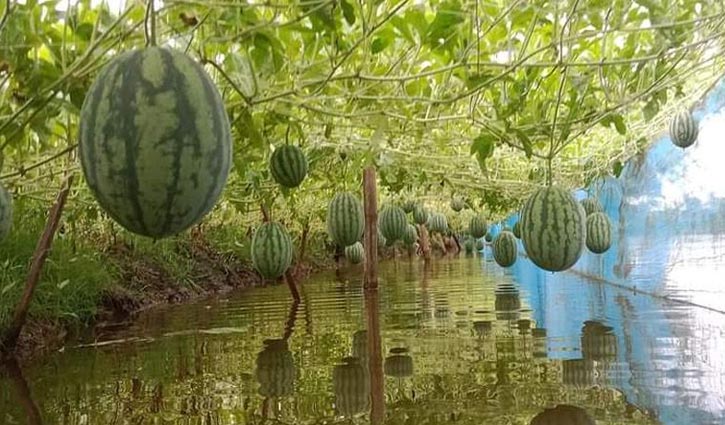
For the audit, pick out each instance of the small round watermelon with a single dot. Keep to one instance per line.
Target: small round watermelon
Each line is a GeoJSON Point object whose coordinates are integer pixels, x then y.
{"type": "Point", "coordinates": [438, 223]}
{"type": "Point", "coordinates": [392, 223]}
{"type": "Point", "coordinates": [6, 212]}
{"type": "Point", "coordinates": [505, 250]}
{"type": "Point", "coordinates": [420, 214]}
{"type": "Point", "coordinates": [408, 206]}
{"type": "Point", "coordinates": [489, 237]}
{"type": "Point", "coordinates": [271, 250]}
{"type": "Point", "coordinates": [468, 245]}
{"type": "Point", "coordinates": [478, 226]}
{"type": "Point", "coordinates": [155, 141]}
{"type": "Point", "coordinates": [355, 253]}
{"type": "Point", "coordinates": [599, 233]}
{"type": "Point", "coordinates": [411, 235]}
{"type": "Point", "coordinates": [345, 219]}
{"type": "Point", "coordinates": [457, 204]}
{"type": "Point", "coordinates": [288, 166]}
{"type": "Point", "coordinates": [683, 129]}
{"type": "Point", "coordinates": [479, 244]}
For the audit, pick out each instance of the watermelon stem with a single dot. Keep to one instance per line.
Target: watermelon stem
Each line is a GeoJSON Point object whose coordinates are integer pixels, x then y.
{"type": "Point", "coordinates": [150, 24]}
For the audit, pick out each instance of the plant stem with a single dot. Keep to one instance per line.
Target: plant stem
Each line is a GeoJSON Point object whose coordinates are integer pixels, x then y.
{"type": "Point", "coordinates": [150, 24]}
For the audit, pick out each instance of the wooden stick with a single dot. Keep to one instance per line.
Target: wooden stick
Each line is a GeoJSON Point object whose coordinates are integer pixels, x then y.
{"type": "Point", "coordinates": [424, 242]}
{"type": "Point", "coordinates": [370, 196]}
{"type": "Point", "coordinates": [375, 358]}
{"type": "Point", "coordinates": [42, 249]}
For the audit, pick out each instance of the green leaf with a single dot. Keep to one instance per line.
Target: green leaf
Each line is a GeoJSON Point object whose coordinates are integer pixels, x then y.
{"type": "Point", "coordinates": [378, 45]}
{"type": "Point", "coordinates": [617, 168]}
{"type": "Point", "coordinates": [482, 147]}
{"type": "Point", "coordinates": [444, 27]}
{"type": "Point", "coordinates": [348, 12]}
{"type": "Point", "coordinates": [619, 124]}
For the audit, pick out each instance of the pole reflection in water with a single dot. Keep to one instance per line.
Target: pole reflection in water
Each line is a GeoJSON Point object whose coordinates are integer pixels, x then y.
{"type": "Point", "coordinates": [22, 391]}
{"type": "Point", "coordinates": [375, 358]}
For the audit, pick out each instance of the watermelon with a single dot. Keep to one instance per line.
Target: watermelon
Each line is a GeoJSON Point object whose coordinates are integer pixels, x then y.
{"type": "Point", "coordinates": [271, 250]}
{"type": "Point", "coordinates": [479, 244]}
{"type": "Point", "coordinates": [6, 212]}
{"type": "Point", "coordinates": [517, 230]}
{"type": "Point", "coordinates": [408, 206]}
{"type": "Point", "coordinates": [392, 223]}
{"type": "Point", "coordinates": [155, 141]}
{"type": "Point", "coordinates": [505, 249]}
{"type": "Point", "coordinates": [598, 342]}
{"type": "Point", "coordinates": [553, 228]}
{"type": "Point", "coordinates": [488, 237]}
{"type": "Point", "coordinates": [591, 205]}
{"type": "Point", "coordinates": [478, 226]}
{"type": "Point", "coordinates": [457, 204]}
{"type": "Point", "coordinates": [468, 245]}
{"type": "Point", "coordinates": [683, 129]}
{"type": "Point", "coordinates": [599, 233]}
{"type": "Point", "coordinates": [437, 222]}
{"type": "Point", "coordinates": [411, 235]}
{"type": "Point", "coordinates": [345, 219]}
{"type": "Point", "coordinates": [288, 166]}
{"type": "Point", "coordinates": [355, 253]}
{"type": "Point", "coordinates": [420, 214]}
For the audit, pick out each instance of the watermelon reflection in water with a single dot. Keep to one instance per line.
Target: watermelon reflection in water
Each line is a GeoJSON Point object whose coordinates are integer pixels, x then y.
{"type": "Point", "coordinates": [155, 141]}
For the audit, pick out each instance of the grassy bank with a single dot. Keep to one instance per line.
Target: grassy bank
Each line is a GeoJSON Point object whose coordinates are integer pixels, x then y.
{"type": "Point", "coordinates": [97, 273]}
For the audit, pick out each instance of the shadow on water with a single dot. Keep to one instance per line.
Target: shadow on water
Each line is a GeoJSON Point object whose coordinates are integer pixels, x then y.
{"type": "Point", "coordinates": [459, 341]}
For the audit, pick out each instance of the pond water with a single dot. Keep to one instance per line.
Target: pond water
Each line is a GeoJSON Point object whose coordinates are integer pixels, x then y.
{"type": "Point", "coordinates": [461, 341]}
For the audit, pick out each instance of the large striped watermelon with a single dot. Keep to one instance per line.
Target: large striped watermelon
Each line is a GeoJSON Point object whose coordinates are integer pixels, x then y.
{"type": "Point", "coordinates": [599, 233]}
{"type": "Point", "coordinates": [392, 223]}
{"type": "Point", "coordinates": [355, 253]}
{"type": "Point", "coordinates": [553, 228]}
{"type": "Point", "coordinates": [478, 226]}
{"type": "Point", "coordinates": [505, 250]}
{"type": "Point", "coordinates": [591, 205]}
{"type": "Point", "coordinates": [155, 141]}
{"type": "Point", "coordinates": [271, 250]}
{"type": "Point", "coordinates": [437, 223]}
{"type": "Point", "coordinates": [683, 129]}
{"type": "Point", "coordinates": [288, 166]}
{"type": "Point", "coordinates": [420, 214]}
{"type": "Point", "coordinates": [6, 212]}
{"type": "Point", "coordinates": [411, 235]}
{"type": "Point", "coordinates": [345, 219]}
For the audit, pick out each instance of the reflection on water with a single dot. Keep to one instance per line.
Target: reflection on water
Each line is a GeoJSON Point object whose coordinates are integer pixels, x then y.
{"type": "Point", "coordinates": [462, 341]}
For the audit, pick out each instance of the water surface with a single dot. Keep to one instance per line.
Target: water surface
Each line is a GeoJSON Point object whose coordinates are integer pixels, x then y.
{"type": "Point", "coordinates": [461, 342]}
